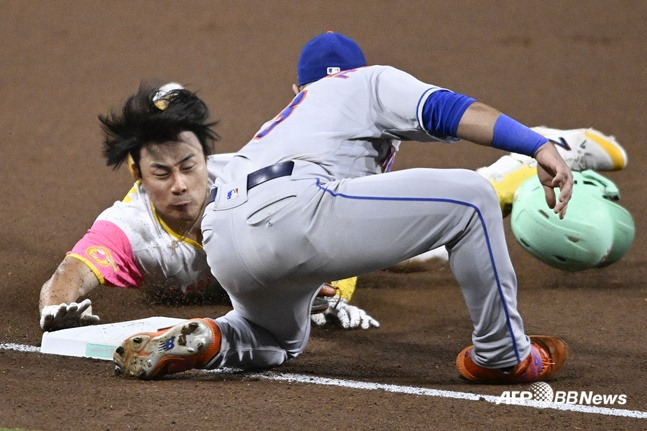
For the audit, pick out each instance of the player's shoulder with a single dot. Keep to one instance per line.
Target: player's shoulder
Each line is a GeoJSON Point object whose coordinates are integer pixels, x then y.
{"type": "Point", "coordinates": [350, 81]}
{"type": "Point", "coordinates": [132, 210]}
{"type": "Point", "coordinates": [390, 71]}
{"type": "Point", "coordinates": [216, 164]}
{"type": "Point", "coordinates": [379, 75]}
{"type": "Point", "coordinates": [365, 72]}
{"type": "Point", "coordinates": [378, 69]}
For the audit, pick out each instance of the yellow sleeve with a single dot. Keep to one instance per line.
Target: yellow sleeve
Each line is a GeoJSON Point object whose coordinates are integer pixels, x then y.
{"type": "Point", "coordinates": [90, 265]}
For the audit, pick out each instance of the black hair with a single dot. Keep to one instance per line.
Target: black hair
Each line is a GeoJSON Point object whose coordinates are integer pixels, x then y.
{"type": "Point", "coordinates": [143, 121]}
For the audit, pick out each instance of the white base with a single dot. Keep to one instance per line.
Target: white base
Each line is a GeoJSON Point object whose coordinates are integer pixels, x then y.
{"type": "Point", "coordinates": [99, 341]}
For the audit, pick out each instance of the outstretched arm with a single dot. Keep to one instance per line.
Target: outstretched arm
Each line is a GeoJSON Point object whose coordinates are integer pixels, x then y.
{"type": "Point", "coordinates": [484, 125]}
{"type": "Point", "coordinates": [58, 308]}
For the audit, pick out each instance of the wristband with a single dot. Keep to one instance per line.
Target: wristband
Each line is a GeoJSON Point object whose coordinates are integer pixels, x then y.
{"type": "Point", "coordinates": [512, 136]}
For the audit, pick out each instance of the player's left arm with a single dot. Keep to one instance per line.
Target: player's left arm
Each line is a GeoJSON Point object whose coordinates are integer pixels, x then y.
{"type": "Point", "coordinates": [485, 125]}
{"type": "Point", "coordinates": [445, 113]}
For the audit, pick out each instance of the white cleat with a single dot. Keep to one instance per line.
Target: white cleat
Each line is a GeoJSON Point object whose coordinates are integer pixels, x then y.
{"type": "Point", "coordinates": [584, 149]}
{"type": "Point", "coordinates": [581, 149]}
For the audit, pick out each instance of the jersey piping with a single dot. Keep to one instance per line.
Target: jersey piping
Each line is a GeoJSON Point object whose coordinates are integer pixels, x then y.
{"type": "Point", "coordinates": [172, 232]}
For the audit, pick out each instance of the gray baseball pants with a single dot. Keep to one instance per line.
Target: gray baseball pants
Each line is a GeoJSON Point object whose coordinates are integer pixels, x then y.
{"type": "Point", "coordinates": [272, 248]}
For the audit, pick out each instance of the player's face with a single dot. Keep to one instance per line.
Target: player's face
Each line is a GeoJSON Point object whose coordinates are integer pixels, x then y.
{"type": "Point", "coordinates": [174, 175]}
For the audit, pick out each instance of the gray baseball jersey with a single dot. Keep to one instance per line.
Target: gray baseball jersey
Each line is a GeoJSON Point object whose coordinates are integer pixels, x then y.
{"type": "Point", "coordinates": [341, 213]}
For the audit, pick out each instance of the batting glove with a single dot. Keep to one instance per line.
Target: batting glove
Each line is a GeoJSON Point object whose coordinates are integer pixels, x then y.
{"type": "Point", "coordinates": [348, 316]}
{"type": "Point", "coordinates": [70, 315]}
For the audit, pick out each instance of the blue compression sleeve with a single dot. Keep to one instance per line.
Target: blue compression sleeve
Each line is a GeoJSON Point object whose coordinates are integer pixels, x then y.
{"type": "Point", "coordinates": [443, 111]}
{"type": "Point", "coordinates": [510, 135]}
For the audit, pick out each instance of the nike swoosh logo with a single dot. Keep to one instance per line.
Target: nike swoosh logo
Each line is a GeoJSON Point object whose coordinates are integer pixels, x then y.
{"type": "Point", "coordinates": [562, 143]}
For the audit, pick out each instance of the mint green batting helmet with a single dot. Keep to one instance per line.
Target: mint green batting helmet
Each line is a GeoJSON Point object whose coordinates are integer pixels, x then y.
{"type": "Point", "coordinates": [595, 232]}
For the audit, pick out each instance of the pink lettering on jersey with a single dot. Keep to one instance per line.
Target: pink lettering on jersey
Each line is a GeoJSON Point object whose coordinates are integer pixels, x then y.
{"type": "Point", "coordinates": [106, 248]}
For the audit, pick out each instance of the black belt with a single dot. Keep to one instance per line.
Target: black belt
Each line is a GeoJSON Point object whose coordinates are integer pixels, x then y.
{"type": "Point", "coordinates": [262, 175]}
{"type": "Point", "coordinates": [267, 173]}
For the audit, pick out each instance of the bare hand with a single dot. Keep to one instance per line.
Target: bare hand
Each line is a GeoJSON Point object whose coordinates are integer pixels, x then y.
{"type": "Point", "coordinates": [553, 172]}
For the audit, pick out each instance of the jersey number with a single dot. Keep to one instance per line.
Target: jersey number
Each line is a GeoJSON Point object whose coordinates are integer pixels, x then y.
{"type": "Point", "coordinates": [283, 115]}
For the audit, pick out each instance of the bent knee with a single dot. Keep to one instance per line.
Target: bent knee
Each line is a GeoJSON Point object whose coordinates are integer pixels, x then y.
{"type": "Point", "coordinates": [478, 191]}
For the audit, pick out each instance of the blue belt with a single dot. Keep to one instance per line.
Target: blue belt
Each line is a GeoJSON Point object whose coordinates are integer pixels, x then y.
{"type": "Point", "coordinates": [262, 175]}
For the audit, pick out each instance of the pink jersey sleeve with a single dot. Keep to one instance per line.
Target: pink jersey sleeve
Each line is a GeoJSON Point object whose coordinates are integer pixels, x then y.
{"type": "Point", "coordinates": [106, 250]}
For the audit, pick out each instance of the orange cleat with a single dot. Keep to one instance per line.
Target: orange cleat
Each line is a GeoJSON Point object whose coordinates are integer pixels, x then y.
{"type": "Point", "coordinates": [547, 355]}
{"type": "Point", "coordinates": [182, 347]}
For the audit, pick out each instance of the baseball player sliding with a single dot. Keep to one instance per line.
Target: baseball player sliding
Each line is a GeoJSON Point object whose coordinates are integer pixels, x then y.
{"type": "Point", "coordinates": [310, 198]}
{"type": "Point", "coordinates": [152, 239]}
{"type": "Point", "coordinates": [130, 244]}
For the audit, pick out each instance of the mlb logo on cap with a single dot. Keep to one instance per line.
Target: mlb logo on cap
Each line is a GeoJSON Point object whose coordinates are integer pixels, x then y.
{"type": "Point", "coordinates": [325, 50]}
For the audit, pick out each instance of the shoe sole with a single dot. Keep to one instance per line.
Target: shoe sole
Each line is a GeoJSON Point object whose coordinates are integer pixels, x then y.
{"type": "Point", "coordinates": [151, 354]}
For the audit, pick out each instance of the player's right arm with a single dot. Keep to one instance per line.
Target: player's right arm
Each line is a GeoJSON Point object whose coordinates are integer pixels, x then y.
{"type": "Point", "coordinates": [102, 256]}
{"type": "Point", "coordinates": [58, 307]}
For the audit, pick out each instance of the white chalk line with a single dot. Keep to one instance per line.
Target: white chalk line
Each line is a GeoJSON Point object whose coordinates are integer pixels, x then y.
{"type": "Point", "coordinates": [409, 390]}
{"type": "Point", "coordinates": [19, 347]}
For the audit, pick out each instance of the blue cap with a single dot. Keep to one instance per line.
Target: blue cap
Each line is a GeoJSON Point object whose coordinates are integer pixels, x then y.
{"type": "Point", "coordinates": [328, 53]}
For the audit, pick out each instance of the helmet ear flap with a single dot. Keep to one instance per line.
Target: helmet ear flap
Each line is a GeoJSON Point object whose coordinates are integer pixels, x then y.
{"type": "Point", "coordinates": [133, 168]}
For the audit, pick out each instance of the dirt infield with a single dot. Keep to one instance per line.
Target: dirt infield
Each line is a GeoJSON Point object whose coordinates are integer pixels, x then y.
{"type": "Point", "coordinates": [563, 64]}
